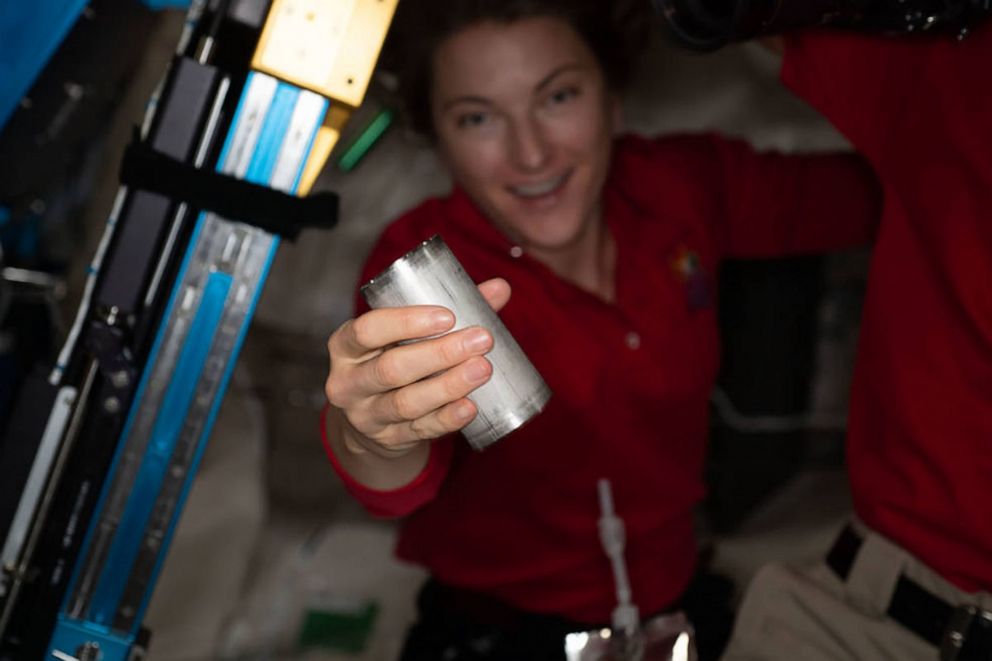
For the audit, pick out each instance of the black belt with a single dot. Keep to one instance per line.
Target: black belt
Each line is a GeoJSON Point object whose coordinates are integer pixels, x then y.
{"type": "Point", "coordinates": [963, 633]}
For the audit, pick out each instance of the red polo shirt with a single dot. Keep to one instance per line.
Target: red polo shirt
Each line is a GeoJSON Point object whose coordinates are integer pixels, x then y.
{"type": "Point", "coordinates": [631, 380]}
{"type": "Point", "coordinates": [920, 431]}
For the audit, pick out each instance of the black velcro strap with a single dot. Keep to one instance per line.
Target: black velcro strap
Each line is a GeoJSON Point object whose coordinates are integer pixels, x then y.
{"type": "Point", "coordinates": [843, 553]}
{"type": "Point", "coordinates": [919, 611]}
{"type": "Point", "coordinates": [235, 199]}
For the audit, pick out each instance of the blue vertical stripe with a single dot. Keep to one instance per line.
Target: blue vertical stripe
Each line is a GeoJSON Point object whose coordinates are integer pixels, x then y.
{"type": "Point", "coordinates": [273, 133]}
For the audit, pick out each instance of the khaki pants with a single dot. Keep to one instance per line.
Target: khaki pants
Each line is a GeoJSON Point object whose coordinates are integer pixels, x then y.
{"type": "Point", "coordinates": [810, 614]}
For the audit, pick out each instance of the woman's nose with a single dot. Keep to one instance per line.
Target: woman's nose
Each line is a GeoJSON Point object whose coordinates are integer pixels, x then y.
{"type": "Point", "coordinates": [531, 149]}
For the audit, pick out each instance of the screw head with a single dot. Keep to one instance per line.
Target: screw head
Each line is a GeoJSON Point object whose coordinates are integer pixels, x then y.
{"type": "Point", "coordinates": [120, 379]}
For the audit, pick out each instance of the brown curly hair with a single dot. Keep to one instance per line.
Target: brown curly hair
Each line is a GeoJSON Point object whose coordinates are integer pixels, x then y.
{"type": "Point", "coordinates": [615, 31]}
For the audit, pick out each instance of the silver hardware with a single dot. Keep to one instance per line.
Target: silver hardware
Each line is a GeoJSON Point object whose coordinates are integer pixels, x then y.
{"type": "Point", "coordinates": [958, 627]}
{"type": "Point", "coordinates": [431, 275]}
{"type": "Point", "coordinates": [120, 379]}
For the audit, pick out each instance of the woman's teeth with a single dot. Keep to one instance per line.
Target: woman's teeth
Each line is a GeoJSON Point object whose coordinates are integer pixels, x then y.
{"type": "Point", "coordinates": [538, 189]}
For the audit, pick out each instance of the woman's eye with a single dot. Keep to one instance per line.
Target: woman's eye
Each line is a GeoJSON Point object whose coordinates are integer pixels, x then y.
{"type": "Point", "coordinates": [563, 95]}
{"type": "Point", "coordinates": [471, 119]}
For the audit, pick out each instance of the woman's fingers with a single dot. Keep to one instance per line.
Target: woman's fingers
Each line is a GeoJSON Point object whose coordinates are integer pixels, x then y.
{"type": "Point", "coordinates": [399, 438]}
{"type": "Point", "coordinates": [496, 292]}
{"type": "Point", "coordinates": [422, 398]}
{"type": "Point", "coordinates": [405, 364]}
{"type": "Point", "coordinates": [445, 420]}
{"type": "Point", "coordinates": [376, 329]}
{"type": "Point", "coordinates": [409, 382]}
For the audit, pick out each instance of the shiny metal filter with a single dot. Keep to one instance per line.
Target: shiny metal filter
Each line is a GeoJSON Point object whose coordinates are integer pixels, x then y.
{"type": "Point", "coordinates": [431, 275]}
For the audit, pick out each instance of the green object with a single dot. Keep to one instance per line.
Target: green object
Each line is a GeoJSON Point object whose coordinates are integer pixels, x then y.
{"type": "Point", "coordinates": [357, 150]}
{"type": "Point", "coordinates": [341, 627]}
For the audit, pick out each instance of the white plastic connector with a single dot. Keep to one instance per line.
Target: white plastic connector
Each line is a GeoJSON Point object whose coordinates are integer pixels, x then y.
{"type": "Point", "coordinates": [612, 535]}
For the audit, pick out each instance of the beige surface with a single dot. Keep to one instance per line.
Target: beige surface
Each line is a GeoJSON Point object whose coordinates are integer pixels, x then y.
{"type": "Point", "coordinates": [304, 562]}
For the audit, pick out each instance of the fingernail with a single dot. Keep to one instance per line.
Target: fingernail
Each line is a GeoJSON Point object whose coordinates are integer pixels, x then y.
{"type": "Point", "coordinates": [464, 411]}
{"type": "Point", "coordinates": [477, 370]}
{"type": "Point", "coordinates": [477, 340]}
{"type": "Point", "coordinates": [441, 320]}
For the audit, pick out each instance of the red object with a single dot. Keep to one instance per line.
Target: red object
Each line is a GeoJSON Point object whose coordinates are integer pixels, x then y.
{"type": "Point", "coordinates": [631, 380]}
{"type": "Point", "coordinates": [920, 430]}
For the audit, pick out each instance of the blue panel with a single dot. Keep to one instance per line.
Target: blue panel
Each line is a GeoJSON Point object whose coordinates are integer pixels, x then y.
{"type": "Point", "coordinates": [114, 576]}
{"type": "Point", "coordinates": [165, 433]}
{"type": "Point", "coordinates": [138, 396]}
{"type": "Point", "coordinates": [30, 33]}
{"type": "Point", "coordinates": [153, 355]}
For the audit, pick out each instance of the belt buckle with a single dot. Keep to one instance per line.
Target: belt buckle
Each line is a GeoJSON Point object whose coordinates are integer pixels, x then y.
{"type": "Point", "coordinates": [968, 636]}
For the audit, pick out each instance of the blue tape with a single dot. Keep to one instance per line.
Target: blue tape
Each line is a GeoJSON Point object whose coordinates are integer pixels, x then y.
{"type": "Point", "coordinates": [273, 133]}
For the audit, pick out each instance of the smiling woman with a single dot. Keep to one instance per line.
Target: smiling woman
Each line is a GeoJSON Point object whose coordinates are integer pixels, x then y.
{"type": "Point", "coordinates": [521, 99]}
{"type": "Point", "coordinates": [610, 243]}
{"type": "Point", "coordinates": [525, 127]}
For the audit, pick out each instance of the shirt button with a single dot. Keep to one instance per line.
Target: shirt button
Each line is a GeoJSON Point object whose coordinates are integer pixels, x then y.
{"type": "Point", "coordinates": [633, 340]}
{"type": "Point", "coordinates": [516, 251]}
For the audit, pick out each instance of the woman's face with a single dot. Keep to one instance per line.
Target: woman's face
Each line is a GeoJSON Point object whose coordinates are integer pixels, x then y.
{"type": "Point", "coordinates": [525, 122]}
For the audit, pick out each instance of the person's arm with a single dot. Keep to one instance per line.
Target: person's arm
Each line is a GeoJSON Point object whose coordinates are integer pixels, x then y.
{"type": "Point", "coordinates": [776, 205]}
{"type": "Point", "coordinates": [394, 405]}
{"type": "Point", "coordinates": [386, 488]}
{"type": "Point", "coordinates": [853, 80]}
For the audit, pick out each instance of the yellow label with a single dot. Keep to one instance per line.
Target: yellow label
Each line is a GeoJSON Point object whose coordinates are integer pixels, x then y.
{"type": "Point", "coordinates": [328, 46]}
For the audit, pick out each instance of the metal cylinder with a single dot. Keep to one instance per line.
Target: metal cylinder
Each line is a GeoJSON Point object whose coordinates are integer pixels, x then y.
{"type": "Point", "coordinates": [431, 275]}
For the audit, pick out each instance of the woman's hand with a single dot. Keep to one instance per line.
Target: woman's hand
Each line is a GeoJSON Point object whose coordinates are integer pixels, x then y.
{"type": "Point", "coordinates": [391, 397]}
